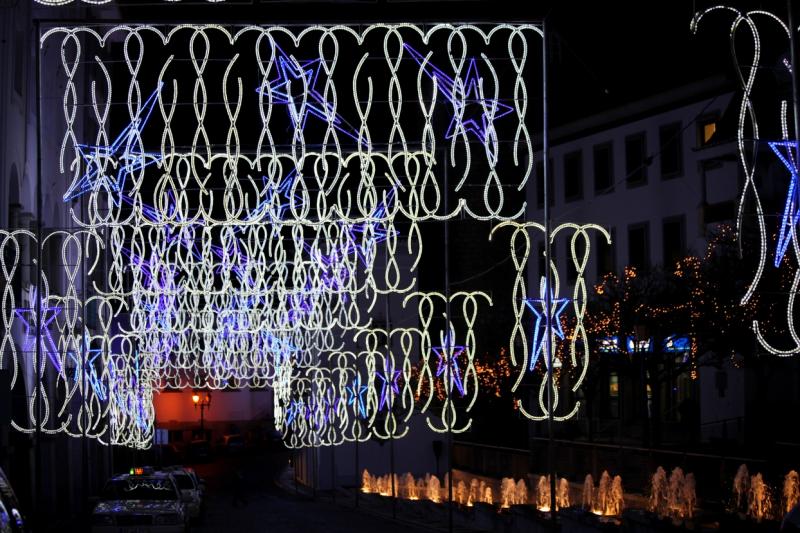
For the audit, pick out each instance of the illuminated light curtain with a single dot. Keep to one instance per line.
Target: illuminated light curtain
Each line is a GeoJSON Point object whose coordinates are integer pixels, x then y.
{"type": "Point", "coordinates": [577, 347]}
{"type": "Point", "coordinates": [745, 33]}
{"type": "Point", "coordinates": [251, 258]}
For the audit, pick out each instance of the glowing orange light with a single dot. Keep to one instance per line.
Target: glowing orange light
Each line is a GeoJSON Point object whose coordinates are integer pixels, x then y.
{"type": "Point", "coordinates": [138, 471]}
{"type": "Point", "coordinates": [195, 398]}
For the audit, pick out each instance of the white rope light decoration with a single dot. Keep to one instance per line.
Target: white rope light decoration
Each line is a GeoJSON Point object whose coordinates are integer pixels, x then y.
{"type": "Point", "coordinates": [236, 260]}
{"type": "Point", "coordinates": [748, 125]}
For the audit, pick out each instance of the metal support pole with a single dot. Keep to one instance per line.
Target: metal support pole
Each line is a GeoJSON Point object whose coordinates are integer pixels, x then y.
{"type": "Point", "coordinates": [40, 510]}
{"type": "Point", "coordinates": [358, 474]}
{"type": "Point", "coordinates": [793, 59]}
{"type": "Point", "coordinates": [449, 364]}
{"type": "Point", "coordinates": [387, 312]}
{"type": "Point", "coordinates": [84, 335]}
{"type": "Point", "coordinates": [548, 296]}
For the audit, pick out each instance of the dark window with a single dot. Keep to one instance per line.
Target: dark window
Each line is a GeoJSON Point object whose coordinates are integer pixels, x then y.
{"type": "Point", "coordinates": [19, 61]}
{"type": "Point", "coordinates": [639, 246]}
{"type": "Point", "coordinates": [540, 255]}
{"type": "Point", "coordinates": [542, 263]}
{"type": "Point", "coordinates": [606, 260]}
{"type": "Point", "coordinates": [539, 175]}
{"type": "Point", "coordinates": [572, 273]}
{"type": "Point", "coordinates": [670, 140]}
{"type": "Point", "coordinates": [573, 176]}
{"type": "Point", "coordinates": [674, 240]}
{"type": "Point", "coordinates": [636, 160]}
{"type": "Point", "coordinates": [603, 168]}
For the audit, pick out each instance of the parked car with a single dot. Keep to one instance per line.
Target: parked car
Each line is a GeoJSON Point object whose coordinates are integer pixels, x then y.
{"type": "Point", "coordinates": [11, 519]}
{"type": "Point", "coordinates": [143, 502]}
{"type": "Point", "coordinates": [191, 492]}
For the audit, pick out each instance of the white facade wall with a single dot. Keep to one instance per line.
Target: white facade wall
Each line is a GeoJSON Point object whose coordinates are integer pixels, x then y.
{"type": "Point", "coordinates": [651, 203]}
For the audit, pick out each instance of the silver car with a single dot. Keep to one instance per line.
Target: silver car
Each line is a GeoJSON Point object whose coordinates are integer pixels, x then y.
{"type": "Point", "coordinates": [138, 503]}
{"type": "Point", "coordinates": [191, 493]}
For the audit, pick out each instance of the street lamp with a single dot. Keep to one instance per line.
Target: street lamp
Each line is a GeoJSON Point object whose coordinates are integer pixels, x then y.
{"type": "Point", "coordinates": [202, 399]}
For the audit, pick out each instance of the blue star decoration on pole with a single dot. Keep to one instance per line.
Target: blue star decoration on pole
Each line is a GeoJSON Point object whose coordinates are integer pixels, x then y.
{"type": "Point", "coordinates": [302, 103]}
{"type": "Point", "coordinates": [128, 158]}
{"type": "Point", "coordinates": [389, 379]}
{"type": "Point", "coordinates": [791, 210]}
{"type": "Point", "coordinates": [447, 355]}
{"type": "Point", "coordinates": [28, 317]}
{"type": "Point", "coordinates": [88, 367]}
{"type": "Point", "coordinates": [355, 393]}
{"type": "Point", "coordinates": [476, 113]}
{"type": "Point", "coordinates": [538, 307]}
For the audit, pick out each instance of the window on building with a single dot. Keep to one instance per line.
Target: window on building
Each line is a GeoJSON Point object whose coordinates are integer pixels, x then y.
{"type": "Point", "coordinates": [573, 176]}
{"type": "Point", "coordinates": [19, 61]}
{"type": "Point", "coordinates": [670, 141]}
{"type": "Point", "coordinates": [606, 260]}
{"type": "Point", "coordinates": [613, 394]}
{"type": "Point", "coordinates": [540, 256]}
{"type": "Point", "coordinates": [541, 260]}
{"type": "Point", "coordinates": [572, 273]}
{"type": "Point", "coordinates": [603, 168]}
{"type": "Point", "coordinates": [639, 246]}
{"type": "Point", "coordinates": [540, 183]}
{"type": "Point", "coordinates": [706, 128]}
{"type": "Point", "coordinates": [613, 385]}
{"type": "Point", "coordinates": [674, 240]}
{"type": "Point", "coordinates": [636, 160]}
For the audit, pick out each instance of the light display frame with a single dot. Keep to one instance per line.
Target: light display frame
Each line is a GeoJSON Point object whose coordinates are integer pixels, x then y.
{"type": "Point", "coordinates": [181, 251]}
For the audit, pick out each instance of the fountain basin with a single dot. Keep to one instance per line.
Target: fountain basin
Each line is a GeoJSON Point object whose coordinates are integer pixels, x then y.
{"type": "Point", "coordinates": [577, 520]}
{"type": "Point", "coordinates": [527, 519]}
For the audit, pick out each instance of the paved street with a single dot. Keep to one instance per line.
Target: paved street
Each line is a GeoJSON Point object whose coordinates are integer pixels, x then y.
{"type": "Point", "coordinates": [272, 509]}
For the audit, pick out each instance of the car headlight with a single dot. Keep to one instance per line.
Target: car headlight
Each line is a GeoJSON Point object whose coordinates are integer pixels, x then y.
{"type": "Point", "coordinates": [168, 519]}
{"type": "Point", "coordinates": [102, 520]}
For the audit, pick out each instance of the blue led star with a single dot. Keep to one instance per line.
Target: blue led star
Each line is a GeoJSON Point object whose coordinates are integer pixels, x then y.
{"type": "Point", "coordinates": [364, 236]}
{"type": "Point", "coordinates": [791, 210]}
{"type": "Point", "coordinates": [356, 393]}
{"type": "Point", "coordinates": [301, 104]}
{"type": "Point", "coordinates": [389, 379]}
{"type": "Point", "coordinates": [87, 367]}
{"type": "Point", "coordinates": [465, 99]}
{"type": "Point", "coordinates": [539, 308]}
{"type": "Point", "coordinates": [448, 354]}
{"type": "Point", "coordinates": [28, 317]}
{"type": "Point", "coordinates": [128, 158]}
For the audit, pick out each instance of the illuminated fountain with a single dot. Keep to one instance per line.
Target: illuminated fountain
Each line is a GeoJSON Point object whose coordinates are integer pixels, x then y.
{"type": "Point", "coordinates": [434, 490]}
{"type": "Point", "coordinates": [616, 500]}
{"type": "Point", "coordinates": [607, 499]}
{"type": "Point", "coordinates": [366, 482]}
{"type": "Point", "coordinates": [741, 487]}
{"type": "Point", "coordinates": [508, 492]}
{"type": "Point", "coordinates": [408, 487]}
{"type": "Point", "coordinates": [658, 492]}
{"type": "Point", "coordinates": [791, 490]}
{"type": "Point", "coordinates": [543, 494]}
{"type": "Point", "coordinates": [588, 492]}
{"type": "Point", "coordinates": [488, 497]}
{"type": "Point", "coordinates": [474, 492]}
{"type": "Point", "coordinates": [422, 488]}
{"type": "Point", "coordinates": [673, 496]}
{"type": "Point", "coordinates": [562, 494]}
{"type": "Point", "coordinates": [759, 499]}
{"type": "Point", "coordinates": [521, 495]}
{"type": "Point", "coordinates": [462, 494]}
{"type": "Point", "coordinates": [689, 495]}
